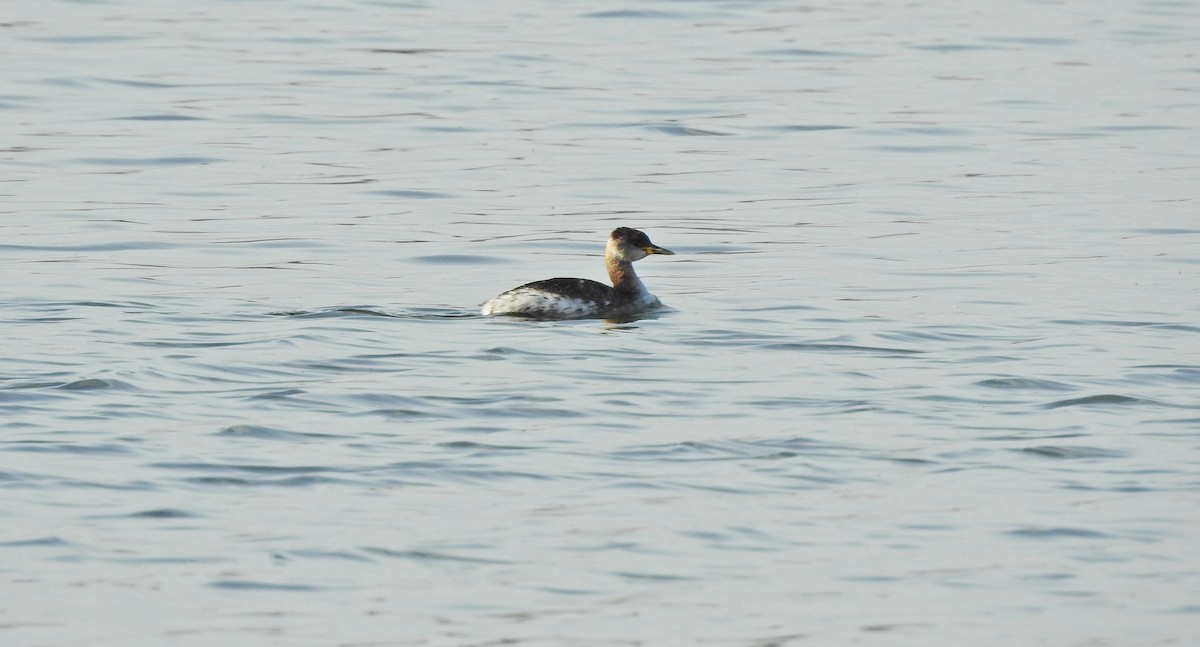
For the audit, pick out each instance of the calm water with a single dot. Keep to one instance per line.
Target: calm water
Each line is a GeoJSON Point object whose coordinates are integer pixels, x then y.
{"type": "Point", "coordinates": [929, 377]}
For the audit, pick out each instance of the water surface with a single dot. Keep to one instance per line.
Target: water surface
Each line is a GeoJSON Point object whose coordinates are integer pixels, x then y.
{"type": "Point", "coordinates": [928, 376]}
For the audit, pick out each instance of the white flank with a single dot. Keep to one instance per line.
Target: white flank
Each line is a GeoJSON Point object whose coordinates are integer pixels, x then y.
{"type": "Point", "coordinates": [536, 303]}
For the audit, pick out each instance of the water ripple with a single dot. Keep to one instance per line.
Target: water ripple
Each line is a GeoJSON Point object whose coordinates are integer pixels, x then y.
{"type": "Point", "coordinates": [822, 347]}
{"type": "Point", "coordinates": [35, 542]}
{"type": "Point", "coordinates": [1072, 452]}
{"type": "Point", "coordinates": [1024, 384]}
{"type": "Point", "coordinates": [163, 513]}
{"type": "Point", "coordinates": [44, 446]}
{"type": "Point", "coordinates": [428, 555]}
{"type": "Point", "coordinates": [270, 433]}
{"type": "Point", "coordinates": [181, 160]}
{"type": "Point", "coordinates": [1058, 533]}
{"type": "Point", "coordinates": [252, 585]}
{"type": "Point", "coordinates": [1107, 399]}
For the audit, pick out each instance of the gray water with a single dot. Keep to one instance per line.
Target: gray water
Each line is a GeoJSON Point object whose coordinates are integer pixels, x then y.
{"type": "Point", "coordinates": [928, 376]}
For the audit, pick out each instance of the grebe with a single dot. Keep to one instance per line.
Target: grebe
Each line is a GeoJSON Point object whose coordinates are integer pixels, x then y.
{"type": "Point", "coordinates": [583, 298]}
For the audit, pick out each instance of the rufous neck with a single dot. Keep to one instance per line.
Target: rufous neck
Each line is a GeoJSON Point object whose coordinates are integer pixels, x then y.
{"type": "Point", "coordinates": [621, 273]}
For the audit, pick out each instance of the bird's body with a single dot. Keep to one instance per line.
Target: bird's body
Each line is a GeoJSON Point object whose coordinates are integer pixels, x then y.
{"type": "Point", "coordinates": [564, 298]}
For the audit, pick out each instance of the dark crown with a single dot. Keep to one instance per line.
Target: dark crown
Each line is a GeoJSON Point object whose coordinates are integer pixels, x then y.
{"type": "Point", "coordinates": [630, 236]}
